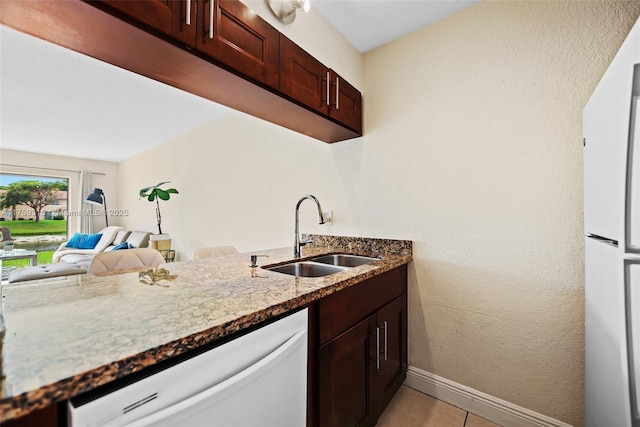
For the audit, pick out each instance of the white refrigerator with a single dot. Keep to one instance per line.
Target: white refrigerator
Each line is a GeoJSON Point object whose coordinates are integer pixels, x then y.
{"type": "Point", "coordinates": [612, 242]}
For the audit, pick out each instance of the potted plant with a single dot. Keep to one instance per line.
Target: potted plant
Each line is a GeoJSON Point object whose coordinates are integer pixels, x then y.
{"type": "Point", "coordinates": [160, 241]}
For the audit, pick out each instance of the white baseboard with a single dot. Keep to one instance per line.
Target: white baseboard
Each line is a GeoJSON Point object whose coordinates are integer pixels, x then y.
{"type": "Point", "coordinates": [483, 405]}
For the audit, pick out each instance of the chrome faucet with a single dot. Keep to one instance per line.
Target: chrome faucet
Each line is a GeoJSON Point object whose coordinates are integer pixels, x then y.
{"type": "Point", "coordinates": [297, 243]}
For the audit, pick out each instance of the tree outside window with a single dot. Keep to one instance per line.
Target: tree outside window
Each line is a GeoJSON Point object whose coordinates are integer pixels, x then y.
{"type": "Point", "coordinates": [33, 194]}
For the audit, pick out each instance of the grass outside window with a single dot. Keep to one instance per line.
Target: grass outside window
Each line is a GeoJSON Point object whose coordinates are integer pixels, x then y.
{"type": "Point", "coordinates": [44, 257]}
{"type": "Point", "coordinates": [33, 230]}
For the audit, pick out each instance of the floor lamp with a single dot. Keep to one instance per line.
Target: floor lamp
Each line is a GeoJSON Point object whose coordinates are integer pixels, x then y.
{"type": "Point", "coordinates": [98, 198]}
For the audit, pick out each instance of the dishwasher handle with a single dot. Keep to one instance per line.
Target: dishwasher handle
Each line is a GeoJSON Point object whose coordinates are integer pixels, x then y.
{"type": "Point", "coordinates": [225, 387]}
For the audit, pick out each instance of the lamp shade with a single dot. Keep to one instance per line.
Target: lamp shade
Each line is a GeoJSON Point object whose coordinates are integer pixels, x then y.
{"type": "Point", "coordinates": [98, 198]}
{"type": "Point", "coordinates": [95, 198]}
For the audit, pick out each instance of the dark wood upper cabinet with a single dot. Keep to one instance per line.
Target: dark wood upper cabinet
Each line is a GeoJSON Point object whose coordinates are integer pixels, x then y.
{"type": "Point", "coordinates": [175, 18]}
{"type": "Point", "coordinates": [303, 77]}
{"type": "Point", "coordinates": [311, 83]}
{"type": "Point", "coordinates": [345, 102]}
{"type": "Point", "coordinates": [154, 13]}
{"type": "Point", "coordinates": [184, 18]}
{"type": "Point", "coordinates": [234, 35]}
{"type": "Point", "coordinates": [170, 41]}
{"type": "Point", "coordinates": [225, 30]}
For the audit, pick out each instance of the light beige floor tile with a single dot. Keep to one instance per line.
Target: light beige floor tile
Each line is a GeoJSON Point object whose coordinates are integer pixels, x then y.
{"type": "Point", "coordinates": [476, 421]}
{"type": "Point", "coordinates": [410, 408]}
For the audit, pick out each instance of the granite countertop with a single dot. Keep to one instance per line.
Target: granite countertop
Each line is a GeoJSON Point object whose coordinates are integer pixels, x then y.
{"type": "Point", "coordinates": [65, 336]}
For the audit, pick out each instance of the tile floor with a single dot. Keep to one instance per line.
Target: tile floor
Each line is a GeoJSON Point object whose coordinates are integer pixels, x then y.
{"type": "Point", "coordinates": [410, 408]}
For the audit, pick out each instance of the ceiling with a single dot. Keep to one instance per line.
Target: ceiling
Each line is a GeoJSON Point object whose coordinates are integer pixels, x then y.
{"type": "Point", "coordinates": [106, 113]}
{"type": "Point", "coordinates": [368, 24]}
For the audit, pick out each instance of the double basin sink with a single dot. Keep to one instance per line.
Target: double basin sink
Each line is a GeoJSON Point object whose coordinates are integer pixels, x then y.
{"type": "Point", "coordinates": [323, 265]}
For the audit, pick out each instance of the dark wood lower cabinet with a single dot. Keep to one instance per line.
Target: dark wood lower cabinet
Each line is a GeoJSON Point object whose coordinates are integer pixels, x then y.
{"type": "Point", "coordinates": [391, 323]}
{"type": "Point", "coordinates": [51, 416]}
{"type": "Point", "coordinates": [361, 370]}
{"type": "Point", "coordinates": [361, 367]}
{"type": "Point", "coordinates": [345, 372]}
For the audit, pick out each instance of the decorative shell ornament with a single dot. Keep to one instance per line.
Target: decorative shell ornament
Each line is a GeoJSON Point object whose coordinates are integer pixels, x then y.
{"type": "Point", "coordinates": [154, 276]}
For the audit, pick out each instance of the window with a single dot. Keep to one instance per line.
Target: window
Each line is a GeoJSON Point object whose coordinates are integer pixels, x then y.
{"type": "Point", "coordinates": [34, 209]}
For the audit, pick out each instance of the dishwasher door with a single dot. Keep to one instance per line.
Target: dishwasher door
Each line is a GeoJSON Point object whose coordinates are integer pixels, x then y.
{"type": "Point", "coordinates": [258, 379]}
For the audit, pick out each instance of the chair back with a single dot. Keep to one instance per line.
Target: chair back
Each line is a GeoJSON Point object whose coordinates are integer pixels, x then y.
{"type": "Point", "coordinates": [125, 261]}
{"type": "Point", "coordinates": [6, 235]}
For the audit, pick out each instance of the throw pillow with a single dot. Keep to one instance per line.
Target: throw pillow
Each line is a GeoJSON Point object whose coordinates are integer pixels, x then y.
{"type": "Point", "coordinates": [123, 245]}
{"type": "Point", "coordinates": [84, 241]}
{"type": "Point", "coordinates": [121, 236]}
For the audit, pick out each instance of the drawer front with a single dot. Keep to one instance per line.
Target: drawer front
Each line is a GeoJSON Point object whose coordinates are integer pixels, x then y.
{"type": "Point", "coordinates": [385, 287]}
{"type": "Point", "coordinates": [340, 311]}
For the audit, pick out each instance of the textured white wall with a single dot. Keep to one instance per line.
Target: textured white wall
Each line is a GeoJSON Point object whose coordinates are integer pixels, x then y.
{"type": "Point", "coordinates": [239, 179]}
{"type": "Point", "coordinates": [479, 118]}
{"type": "Point", "coordinates": [472, 149]}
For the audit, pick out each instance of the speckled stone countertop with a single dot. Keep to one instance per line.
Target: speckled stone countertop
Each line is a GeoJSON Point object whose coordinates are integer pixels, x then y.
{"type": "Point", "coordinates": [65, 336]}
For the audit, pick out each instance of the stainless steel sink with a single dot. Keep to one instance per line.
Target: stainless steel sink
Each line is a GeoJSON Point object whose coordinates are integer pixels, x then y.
{"type": "Point", "coordinates": [344, 260]}
{"type": "Point", "coordinates": [307, 269]}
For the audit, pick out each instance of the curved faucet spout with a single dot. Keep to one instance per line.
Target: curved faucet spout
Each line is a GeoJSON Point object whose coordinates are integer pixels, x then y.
{"type": "Point", "coordinates": [296, 242]}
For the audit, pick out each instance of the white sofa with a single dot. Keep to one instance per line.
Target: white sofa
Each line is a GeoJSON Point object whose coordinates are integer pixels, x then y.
{"type": "Point", "coordinates": [112, 236]}
{"type": "Point", "coordinates": [69, 261]}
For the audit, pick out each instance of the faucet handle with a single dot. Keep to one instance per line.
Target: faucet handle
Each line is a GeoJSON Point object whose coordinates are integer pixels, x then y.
{"type": "Point", "coordinates": [254, 260]}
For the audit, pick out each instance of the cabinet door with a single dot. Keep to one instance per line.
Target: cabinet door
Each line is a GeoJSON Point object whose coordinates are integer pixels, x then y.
{"type": "Point", "coordinates": [391, 321]}
{"type": "Point", "coordinates": [346, 102]}
{"type": "Point", "coordinates": [302, 77]}
{"type": "Point", "coordinates": [176, 18]}
{"type": "Point", "coordinates": [154, 13]}
{"type": "Point", "coordinates": [184, 21]}
{"type": "Point", "coordinates": [237, 37]}
{"type": "Point", "coordinates": [345, 370]}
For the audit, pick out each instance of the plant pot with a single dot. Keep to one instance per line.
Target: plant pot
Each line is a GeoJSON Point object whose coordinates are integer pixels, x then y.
{"type": "Point", "coordinates": [161, 242]}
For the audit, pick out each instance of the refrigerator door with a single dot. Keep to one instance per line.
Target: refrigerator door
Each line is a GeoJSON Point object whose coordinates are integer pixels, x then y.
{"type": "Point", "coordinates": [606, 377]}
{"type": "Point", "coordinates": [632, 214]}
{"type": "Point", "coordinates": [606, 131]}
{"type": "Point", "coordinates": [632, 290]}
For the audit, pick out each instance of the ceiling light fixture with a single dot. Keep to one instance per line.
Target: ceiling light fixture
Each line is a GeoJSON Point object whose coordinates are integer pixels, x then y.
{"type": "Point", "coordinates": [285, 10]}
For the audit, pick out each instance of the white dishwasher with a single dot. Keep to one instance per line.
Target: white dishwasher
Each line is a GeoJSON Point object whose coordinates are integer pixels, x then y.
{"type": "Point", "coordinates": [258, 379]}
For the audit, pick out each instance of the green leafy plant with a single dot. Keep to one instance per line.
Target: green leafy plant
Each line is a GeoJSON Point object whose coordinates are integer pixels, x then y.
{"type": "Point", "coordinates": [155, 194]}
